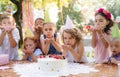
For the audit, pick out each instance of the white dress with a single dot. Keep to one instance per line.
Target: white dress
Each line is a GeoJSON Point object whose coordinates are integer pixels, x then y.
{"type": "Point", "coordinates": [71, 58]}
{"type": "Point", "coordinates": [5, 48]}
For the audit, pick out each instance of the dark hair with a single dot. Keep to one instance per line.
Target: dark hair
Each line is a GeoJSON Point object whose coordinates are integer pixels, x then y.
{"type": "Point", "coordinates": [107, 28]}
{"type": "Point", "coordinates": [117, 39]}
{"type": "Point", "coordinates": [39, 19]}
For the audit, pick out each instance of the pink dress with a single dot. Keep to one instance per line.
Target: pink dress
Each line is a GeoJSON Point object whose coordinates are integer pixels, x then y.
{"type": "Point", "coordinates": [101, 52]}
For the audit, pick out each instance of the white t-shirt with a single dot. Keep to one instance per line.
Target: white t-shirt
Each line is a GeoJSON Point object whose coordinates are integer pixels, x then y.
{"type": "Point", "coordinates": [5, 48]}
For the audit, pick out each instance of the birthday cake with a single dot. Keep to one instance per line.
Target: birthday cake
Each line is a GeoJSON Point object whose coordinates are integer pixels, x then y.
{"type": "Point", "coordinates": [53, 65]}
{"type": "Point", "coordinates": [4, 59]}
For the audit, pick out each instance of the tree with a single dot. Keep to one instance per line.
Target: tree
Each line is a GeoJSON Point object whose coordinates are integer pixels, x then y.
{"type": "Point", "coordinates": [114, 8]}
{"type": "Point", "coordinates": [75, 15]}
{"type": "Point", "coordinates": [18, 18]}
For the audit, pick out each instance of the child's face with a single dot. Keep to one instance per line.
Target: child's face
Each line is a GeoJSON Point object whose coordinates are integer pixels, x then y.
{"type": "Point", "coordinates": [100, 21]}
{"type": "Point", "coordinates": [49, 30]}
{"type": "Point", "coordinates": [39, 23]}
{"type": "Point", "coordinates": [29, 44]}
{"type": "Point", "coordinates": [68, 39]}
{"type": "Point", "coordinates": [115, 47]}
{"type": "Point", "coordinates": [6, 22]}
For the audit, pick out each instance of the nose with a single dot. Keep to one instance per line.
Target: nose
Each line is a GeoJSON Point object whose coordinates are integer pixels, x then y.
{"type": "Point", "coordinates": [97, 23]}
{"type": "Point", "coordinates": [68, 41]}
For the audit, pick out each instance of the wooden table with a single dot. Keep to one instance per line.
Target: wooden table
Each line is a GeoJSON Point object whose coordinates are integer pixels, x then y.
{"type": "Point", "coordinates": [105, 71]}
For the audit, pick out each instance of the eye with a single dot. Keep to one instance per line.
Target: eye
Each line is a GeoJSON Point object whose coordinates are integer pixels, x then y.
{"type": "Point", "coordinates": [111, 46]}
{"type": "Point", "coordinates": [100, 20]}
{"type": "Point", "coordinates": [65, 38]}
{"type": "Point", "coordinates": [30, 45]}
{"type": "Point", "coordinates": [50, 29]}
{"type": "Point", "coordinates": [45, 29]}
{"type": "Point", "coordinates": [26, 45]}
{"type": "Point", "coordinates": [70, 38]}
{"type": "Point", "coordinates": [116, 46]}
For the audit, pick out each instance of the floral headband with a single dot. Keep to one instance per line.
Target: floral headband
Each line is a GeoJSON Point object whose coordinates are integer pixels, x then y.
{"type": "Point", "coordinates": [106, 12]}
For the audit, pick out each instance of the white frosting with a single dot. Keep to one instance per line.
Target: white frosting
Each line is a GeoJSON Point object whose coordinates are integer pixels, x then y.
{"type": "Point", "coordinates": [51, 65]}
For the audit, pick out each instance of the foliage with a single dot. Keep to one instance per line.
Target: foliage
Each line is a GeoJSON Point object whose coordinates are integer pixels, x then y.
{"type": "Point", "coordinates": [3, 5]}
{"type": "Point", "coordinates": [115, 9]}
{"type": "Point", "coordinates": [76, 16]}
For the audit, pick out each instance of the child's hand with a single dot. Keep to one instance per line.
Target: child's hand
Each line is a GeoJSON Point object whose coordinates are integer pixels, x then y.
{"type": "Point", "coordinates": [28, 51]}
{"type": "Point", "coordinates": [38, 28]}
{"type": "Point", "coordinates": [65, 51]}
{"type": "Point", "coordinates": [47, 40]}
{"type": "Point", "coordinates": [52, 39]}
{"type": "Point", "coordinates": [113, 60]}
{"type": "Point", "coordinates": [9, 29]}
{"type": "Point", "coordinates": [93, 29]}
{"type": "Point", "coordinates": [24, 50]}
{"type": "Point", "coordinates": [67, 47]}
{"type": "Point", "coordinates": [3, 29]}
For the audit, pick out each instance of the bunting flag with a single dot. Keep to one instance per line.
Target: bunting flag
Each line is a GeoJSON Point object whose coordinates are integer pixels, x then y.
{"type": "Point", "coordinates": [116, 31]}
{"type": "Point", "coordinates": [28, 16]}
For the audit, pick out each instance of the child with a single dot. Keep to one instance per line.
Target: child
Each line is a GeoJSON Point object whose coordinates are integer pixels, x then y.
{"type": "Point", "coordinates": [30, 50]}
{"type": "Point", "coordinates": [101, 34]}
{"type": "Point", "coordinates": [73, 47]}
{"type": "Point", "coordinates": [9, 38]}
{"type": "Point", "coordinates": [38, 30]}
{"type": "Point", "coordinates": [50, 40]}
{"type": "Point", "coordinates": [115, 48]}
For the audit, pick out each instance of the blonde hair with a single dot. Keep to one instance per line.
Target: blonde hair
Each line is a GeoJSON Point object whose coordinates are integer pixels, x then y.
{"type": "Point", "coordinates": [50, 23]}
{"type": "Point", "coordinates": [30, 38]}
{"type": "Point", "coordinates": [8, 17]}
{"type": "Point", "coordinates": [75, 33]}
{"type": "Point", "coordinates": [116, 39]}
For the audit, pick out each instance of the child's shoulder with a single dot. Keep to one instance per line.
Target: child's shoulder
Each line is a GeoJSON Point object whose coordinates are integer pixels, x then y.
{"type": "Point", "coordinates": [37, 49]}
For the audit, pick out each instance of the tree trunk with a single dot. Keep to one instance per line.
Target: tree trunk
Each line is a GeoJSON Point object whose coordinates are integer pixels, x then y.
{"type": "Point", "coordinates": [18, 18]}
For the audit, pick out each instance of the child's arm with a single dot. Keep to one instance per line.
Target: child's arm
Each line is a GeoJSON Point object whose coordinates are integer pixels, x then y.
{"type": "Point", "coordinates": [94, 39]}
{"type": "Point", "coordinates": [2, 37]}
{"type": "Point", "coordinates": [65, 50]}
{"type": "Point", "coordinates": [34, 58]}
{"type": "Point", "coordinates": [13, 42]}
{"type": "Point", "coordinates": [78, 55]}
{"type": "Point", "coordinates": [11, 39]}
{"type": "Point", "coordinates": [25, 57]}
{"type": "Point", "coordinates": [56, 43]}
{"type": "Point", "coordinates": [45, 45]}
{"type": "Point", "coordinates": [103, 39]}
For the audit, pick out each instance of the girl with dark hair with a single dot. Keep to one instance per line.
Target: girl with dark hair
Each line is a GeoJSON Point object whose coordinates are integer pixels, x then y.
{"type": "Point", "coordinates": [101, 34]}
{"type": "Point", "coordinates": [38, 31]}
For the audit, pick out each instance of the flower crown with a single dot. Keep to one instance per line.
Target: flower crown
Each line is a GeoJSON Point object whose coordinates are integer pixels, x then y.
{"type": "Point", "coordinates": [106, 12]}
